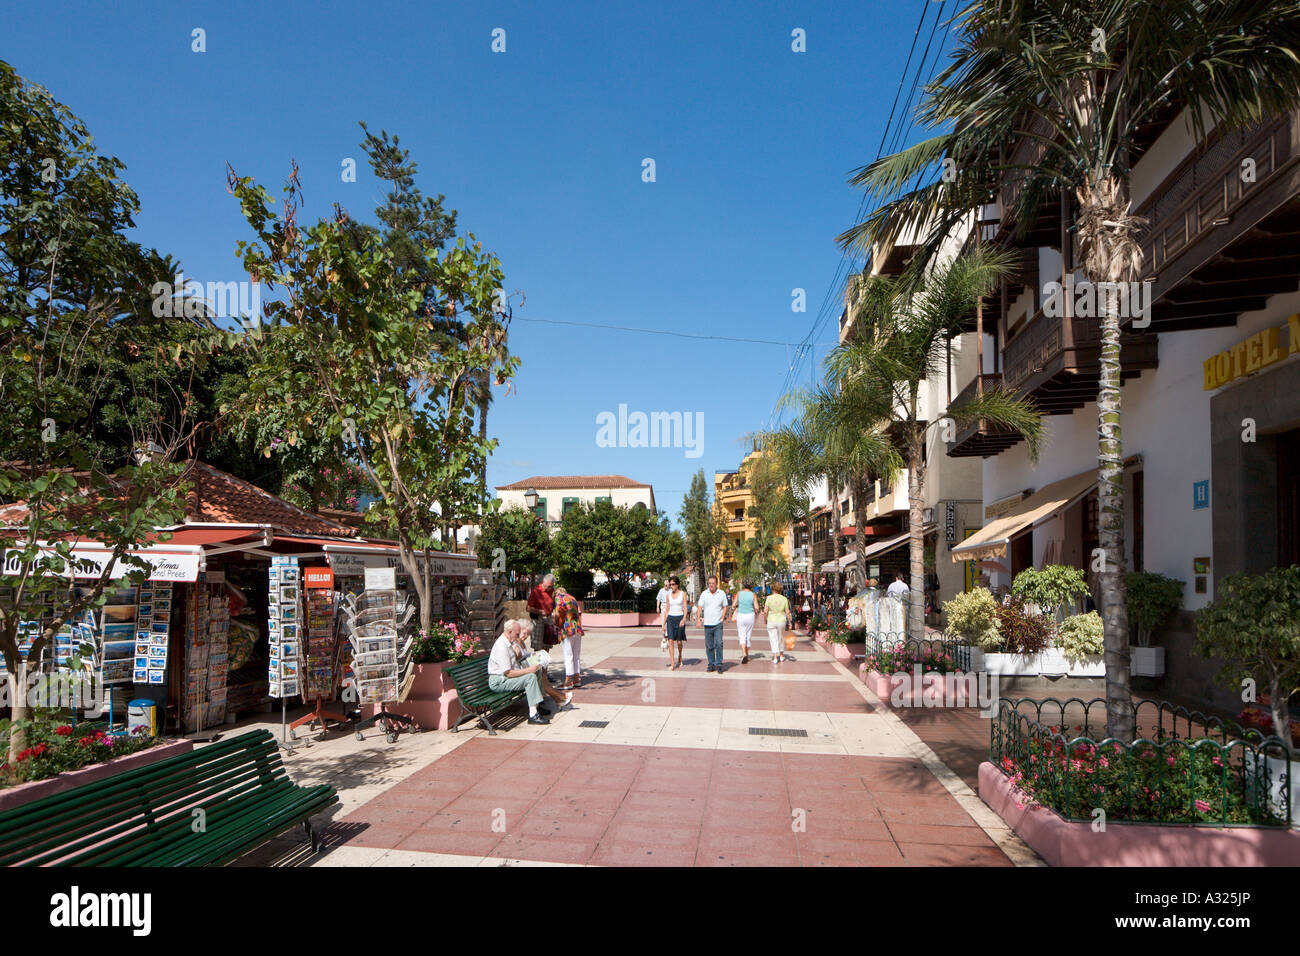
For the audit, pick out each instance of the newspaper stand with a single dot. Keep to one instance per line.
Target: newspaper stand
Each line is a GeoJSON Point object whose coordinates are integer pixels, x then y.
{"type": "Point", "coordinates": [381, 658]}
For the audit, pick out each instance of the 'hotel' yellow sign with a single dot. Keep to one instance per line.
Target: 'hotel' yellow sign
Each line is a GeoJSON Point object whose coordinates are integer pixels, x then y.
{"type": "Point", "coordinates": [1250, 355]}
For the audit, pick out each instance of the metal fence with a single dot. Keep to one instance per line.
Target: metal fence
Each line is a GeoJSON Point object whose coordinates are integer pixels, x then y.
{"type": "Point", "coordinates": [1184, 767]}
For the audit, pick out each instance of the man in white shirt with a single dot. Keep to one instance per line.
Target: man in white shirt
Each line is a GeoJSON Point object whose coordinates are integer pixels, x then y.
{"type": "Point", "coordinates": [661, 603]}
{"type": "Point", "coordinates": [505, 673]}
{"type": "Point", "coordinates": [710, 609]}
{"type": "Point", "coordinates": [899, 588]}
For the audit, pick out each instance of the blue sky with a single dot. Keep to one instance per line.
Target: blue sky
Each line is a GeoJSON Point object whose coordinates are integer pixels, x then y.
{"type": "Point", "coordinates": [540, 149]}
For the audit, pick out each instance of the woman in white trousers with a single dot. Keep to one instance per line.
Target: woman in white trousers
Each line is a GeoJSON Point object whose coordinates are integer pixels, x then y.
{"type": "Point", "coordinates": [746, 607]}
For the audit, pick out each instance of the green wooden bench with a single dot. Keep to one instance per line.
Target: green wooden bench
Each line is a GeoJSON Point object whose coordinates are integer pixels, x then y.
{"type": "Point", "coordinates": [149, 816]}
{"type": "Point", "coordinates": [477, 699]}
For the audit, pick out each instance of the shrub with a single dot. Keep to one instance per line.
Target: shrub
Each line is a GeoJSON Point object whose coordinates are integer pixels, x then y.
{"type": "Point", "coordinates": [577, 583]}
{"type": "Point", "coordinates": [1051, 588]}
{"type": "Point", "coordinates": [1022, 632]}
{"type": "Point", "coordinates": [1254, 628]}
{"type": "Point", "coordinates": [1080, 636]}
{"type": "Point", "coordinates": [973, 618]}
{"type": "Point", "coordinates": [444, 642]}
{"type": "Point", "coordinates": [898, 656]}
{"type": "Point", "coordinates": [54, 748]}
{"type": "Point", "coordinates": [1152, 598]}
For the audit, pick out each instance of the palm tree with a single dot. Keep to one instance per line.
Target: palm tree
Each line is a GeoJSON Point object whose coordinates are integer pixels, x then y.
{"type": "Point", "coordinates": [759, 555]}
{"type": "Point", "coordinates": [1075, 79]}
{"type": "Point", "coordinates": [899, 343]}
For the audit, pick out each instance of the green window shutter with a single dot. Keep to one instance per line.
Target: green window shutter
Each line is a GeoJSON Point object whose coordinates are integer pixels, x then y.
{"type": "Point", "coordinates": [540, 510]}
{"type": "Point", "coordinates": [609, 499]}
{"type": "Point", "coordinates": [568, 505]}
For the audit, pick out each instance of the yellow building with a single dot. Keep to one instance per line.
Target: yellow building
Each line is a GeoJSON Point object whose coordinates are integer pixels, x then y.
{"type": "Point", "coordinates": [733, 497]}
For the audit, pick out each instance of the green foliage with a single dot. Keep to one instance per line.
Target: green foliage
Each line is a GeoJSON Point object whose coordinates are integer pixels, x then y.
{"type": "Point", "coordinates": [53, 747]}
{"type": "Point", "coordinates": [760, 556]}
{"type": "Point", "coordinates": [77, 335]}
{"type": "Point", "coordinates": [1022, 632]}
{"type": "Point", "coordinates": [1081, 636]}
{"type": "Point", "coordinates": [705, 530]}
{"type": "Point", "coordinates": [1052, 588]}
{"type": "Point", "coordinates": [619, 541]}
{"type": "Point", "coordinates": [443, 641]}
{"type": "Point", "coordinates": [1152, 599]}
{"type": "Point", "coordinates": [523, 540]}
{"type": "Point", "coordinates": [973, 618]}
{"type": "Point", "coordinates": [1253, 626]}
{"type": "Point", "coordinates": [580, 583]}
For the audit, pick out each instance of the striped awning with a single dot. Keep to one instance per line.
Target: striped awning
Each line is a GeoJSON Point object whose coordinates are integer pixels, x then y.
{"type": "Point", "coordinates": [991, 541]}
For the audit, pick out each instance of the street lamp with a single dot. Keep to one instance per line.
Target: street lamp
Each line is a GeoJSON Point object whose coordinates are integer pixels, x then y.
{"type": "Point", "coordinates": [530, 498]}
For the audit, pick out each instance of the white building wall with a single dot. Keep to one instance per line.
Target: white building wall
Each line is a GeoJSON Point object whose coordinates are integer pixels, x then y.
{"type": "Point", "coordinates": [1165, 419]}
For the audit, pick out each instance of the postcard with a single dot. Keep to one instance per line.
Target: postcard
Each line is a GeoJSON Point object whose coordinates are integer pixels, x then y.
{"type": "Point", "coordinates": [159, 628]}
{"type": "Point", "coordinates": [288, 632]}
{"type": "Point", "coordinates": [119, 613]}
{"type": "Point", "coordinates": [273, 612]}
{"type": "Point", "coordinates": [141, 676]}
{"type": "Point", "coordinates": [288, 612]}
{"type": "Point", "coordinates": [116, 632]}
{"type": "Point", "coordinates": [288, 594]}
{"type": "Point", "coordinates": [157, 662]}
{"type": "Point", "coordinates": [157, 677]}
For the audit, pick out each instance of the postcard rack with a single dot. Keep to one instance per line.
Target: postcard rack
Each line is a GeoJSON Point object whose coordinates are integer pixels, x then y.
{"type": "Point", "coordinates": [381, 640]}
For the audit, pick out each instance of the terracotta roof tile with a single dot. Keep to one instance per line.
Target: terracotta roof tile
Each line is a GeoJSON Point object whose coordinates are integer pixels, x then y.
{"type": "Point", "coordinates": [552, 482]}
{"type": "Point", "coordinates": [221, 497]}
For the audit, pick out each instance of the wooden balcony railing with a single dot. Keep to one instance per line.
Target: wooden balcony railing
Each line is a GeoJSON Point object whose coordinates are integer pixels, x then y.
{"type": "Point", "coordinates": [1208, 187]}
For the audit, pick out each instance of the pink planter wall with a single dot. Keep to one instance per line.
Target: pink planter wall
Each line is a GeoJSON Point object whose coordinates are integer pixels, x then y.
{"type": "Point", "coordinates": [1065, 843]}
{"type": "Point", "coordinates": [11, 797]}
{"type": "Point", "coordinates": [432, 702]}
{"type": "Point", "coordinates": [844, 653]}
{"type": "Point", "coordinates": [630, 619]}
{"type": "Point", "coordinates": [932, 690]}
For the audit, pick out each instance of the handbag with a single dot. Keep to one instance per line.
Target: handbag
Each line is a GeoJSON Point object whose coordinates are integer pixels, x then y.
{"type": "Point", "coordinates": [551, 633]}
{"type": "Point", "coordinates": [789, 640]}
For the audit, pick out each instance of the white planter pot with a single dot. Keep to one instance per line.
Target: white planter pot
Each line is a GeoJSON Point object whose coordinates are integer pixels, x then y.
{"type": "Point", "coordinates": [1146, 661]}
{"type": "Point", "coordinates": [1088, 667]}
{"type": "Point", "coordinates": [976, 660]}
{"type": "Point", "coordinates": [1052, 663]}
{"type": "Point", "coordinates": [1012, 664]}
{"type": "Point", "coordinates": [1276, 795]}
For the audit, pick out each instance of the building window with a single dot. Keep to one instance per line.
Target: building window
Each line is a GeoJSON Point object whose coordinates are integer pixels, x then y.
{"type": "Point", "coordinates": [1139, 536]}
{"type": "Point", "coordinates": [740, 514]}
{"type": "Point", "coordinates": [604, 498]}
{"type": "Point", "coordinates": [568, 505]}
{"type": "Point", "coordinates": [540, 510]}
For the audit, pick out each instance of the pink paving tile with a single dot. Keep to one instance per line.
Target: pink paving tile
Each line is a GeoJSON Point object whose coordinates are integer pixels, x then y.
{"type": "Point", "coordinates": [466, 844]}
{"type": "Point", "coordinates": [930, 854]}
{"type": "Point", "coordinates": [610, 853]}
{"type": "Point", "coordinates": [722, 856]}
{"type": "Point", "coordinates": [831, 851]}
{"type": "Point", "coordinates": [947, 836]}
{"type": "Point", "coordinates": [545, 849]}
{"type": "Point", "coordinates": [953, 816]}
{"type": "Point", "coordinates": [683, 835]}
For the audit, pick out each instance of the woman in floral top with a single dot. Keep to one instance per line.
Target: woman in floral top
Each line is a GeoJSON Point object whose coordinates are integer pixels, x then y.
{"type": "Point", "coordinates": [569, 619]}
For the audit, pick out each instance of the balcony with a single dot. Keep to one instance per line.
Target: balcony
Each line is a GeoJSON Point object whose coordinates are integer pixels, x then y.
{"type": "Point", "coordinates": [979, 439]}
{"type": "Point", "coordinates": [1217, 244]}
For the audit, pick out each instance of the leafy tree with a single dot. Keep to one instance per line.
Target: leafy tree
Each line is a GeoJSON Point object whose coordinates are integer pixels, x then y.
{"type": "Point", "coordinates": [875, 376]}
{"type": "Point", "coordinates": [374, 357]}
{"type": "Point", "coordinates": [517, 536]}
{"type": "Point", "coordinates": [760, 556]}
{"type": "Point", "coordinates": [1077, 81]}
{"type": "Point", "coordinates": [1253, 626]}
{"type": "Point", "coordinates": [618, 541]}
{"type": "Point", "coordinates": [73, 289]}
{"type": "Point", "coordinates": [705, 529]}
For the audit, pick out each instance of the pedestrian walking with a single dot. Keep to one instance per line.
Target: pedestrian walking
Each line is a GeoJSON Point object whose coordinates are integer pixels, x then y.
{"type": "Point", "coordinates": [568, 618]}
{"type": "Point", "coordinates": [677, 606]}
{"type": "Point", "coordinates": [710, 611]}
{"type": "Point", "coordinates": [776, 611]}
{"type": "Point", "coordinates": [744, 611]}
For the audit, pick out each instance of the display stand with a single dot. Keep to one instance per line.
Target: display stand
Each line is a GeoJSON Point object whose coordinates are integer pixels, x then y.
{"type": "Point", "coordinates": [321, 684]}
{"type": "Point", "coordinates": [284, 669]}
{"type": "Point", "coordinates": [381, 654]}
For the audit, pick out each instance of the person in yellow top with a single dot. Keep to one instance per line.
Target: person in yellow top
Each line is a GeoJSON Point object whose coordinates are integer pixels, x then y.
{"type": "Point", "coordinates": [776, 613]}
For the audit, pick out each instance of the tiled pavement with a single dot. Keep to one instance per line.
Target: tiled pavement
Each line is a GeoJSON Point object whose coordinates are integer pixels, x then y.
{"type": "Point", "coordinates": [672, 777]}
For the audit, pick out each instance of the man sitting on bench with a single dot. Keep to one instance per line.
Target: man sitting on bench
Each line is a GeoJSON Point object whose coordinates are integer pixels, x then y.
{"type": "Point", "coordinates": [505, 673]}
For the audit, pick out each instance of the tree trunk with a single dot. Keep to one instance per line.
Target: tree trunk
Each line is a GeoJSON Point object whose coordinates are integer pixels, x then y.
{"type": "Point", "coordinates": [1110, 499]}
{"type": "Point", "coordinates": [860, 536]}
{"type": "Point", "coordinates": [1277, 701]}
{"type": "Point", "coordinates": [837, 536]}
{"type": "Point", "coordinates": [19, 712]}
{"type": "Point", "coordinates": [916, 542]}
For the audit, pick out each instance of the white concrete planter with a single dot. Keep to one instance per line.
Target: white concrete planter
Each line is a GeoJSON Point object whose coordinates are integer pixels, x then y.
{"type": "Point", "coordinates": [1146, 661]}
{"type": "Point", "coordinates": [1088, 667]}
{"type": "Point", "coordinates": [1052, 663]}
{"type": "Point", "coordinates": [1013, 664]}
{"type": "Point", "coordinates": [1276, 795]}
{"type": "Point", "coordinates": [976, 659]}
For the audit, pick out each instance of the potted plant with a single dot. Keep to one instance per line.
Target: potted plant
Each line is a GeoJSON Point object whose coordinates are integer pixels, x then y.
{"type": "Point", "coordinates": [973, 619]}
{"type": "Point", "coordinates": [1051, 590]}
{"type": "Point", "coordinates": [1152, 600]}
{"type": "Point", "coordinates": [432, 693]}
{"type": "Point", "coordinates": [1025, 634]}
{"type": "Point", "coordinates": [1079, 640]}
{"type": "Point", "coordinates": [819, 628]}
{"type": "Point", "coordinates": [1254, 628]}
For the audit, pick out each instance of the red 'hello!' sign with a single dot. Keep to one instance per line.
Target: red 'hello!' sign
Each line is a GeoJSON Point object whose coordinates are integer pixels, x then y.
{"type": "Point", "coordinates": [318, 578]}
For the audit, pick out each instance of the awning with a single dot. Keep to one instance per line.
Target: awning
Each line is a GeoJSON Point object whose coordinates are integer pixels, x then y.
{"type": "Point", "coordinates": [166, 563]}
{"type": "Point", "coordinates": [991, 540]}
{"type": "Point", "coordinates": [353, 557]}
{"type": "Point", "coordinates": [875, 550]}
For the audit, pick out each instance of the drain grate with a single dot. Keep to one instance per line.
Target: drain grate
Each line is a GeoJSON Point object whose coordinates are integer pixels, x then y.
{"type": "Point", "coordinates": [594, 723]}
{"type": "Point", "coordinates": [777, 732]}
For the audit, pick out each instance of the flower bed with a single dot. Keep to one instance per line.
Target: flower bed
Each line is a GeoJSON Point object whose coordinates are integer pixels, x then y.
{"type": "Point", "coordinates": [58, 748]}
{"type": "Point", "coordinates": [1189, 779]}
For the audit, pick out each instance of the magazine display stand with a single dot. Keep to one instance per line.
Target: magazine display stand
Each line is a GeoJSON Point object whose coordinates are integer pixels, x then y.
{"type": "Point", "coordinates": [380, 635]}
{"type": "Point", "coordinates": [321, 683]}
